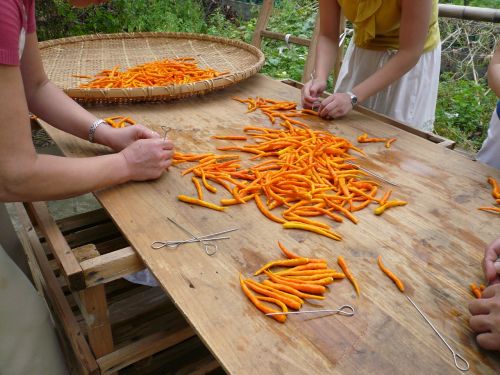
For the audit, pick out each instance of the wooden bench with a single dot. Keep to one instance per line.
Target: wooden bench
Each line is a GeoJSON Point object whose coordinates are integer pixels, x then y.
{"type": "Point", "coordinates": [106, 324]}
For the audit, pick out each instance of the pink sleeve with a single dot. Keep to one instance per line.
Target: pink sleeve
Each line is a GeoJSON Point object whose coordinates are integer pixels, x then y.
{"type": "Point", "coordinates": [11, 22]}
{"type": "Point", "coordinates": [31, 17]}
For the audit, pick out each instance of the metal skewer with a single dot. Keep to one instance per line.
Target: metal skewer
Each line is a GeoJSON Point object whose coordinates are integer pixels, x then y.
{"type": "Point", "coordinates": [457, 358]}
{"type": "Point", "coordinates": [209, 248]}
{"type": "Point", "coordinates": [166, 129]}
{"type": "Point", "coordinates": [371, 173]}
{"type": "Point", "coordinates": [345, 310]}
{"type": "Point", "coordinates": [175, 244]}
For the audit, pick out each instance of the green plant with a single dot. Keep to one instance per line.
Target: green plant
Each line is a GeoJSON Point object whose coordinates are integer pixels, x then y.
{"type": "Point", "coordinates": [463, 111]}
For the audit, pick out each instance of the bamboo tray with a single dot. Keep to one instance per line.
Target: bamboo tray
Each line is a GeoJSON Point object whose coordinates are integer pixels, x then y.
{"type": "Point", "coordinates": [90, 54]}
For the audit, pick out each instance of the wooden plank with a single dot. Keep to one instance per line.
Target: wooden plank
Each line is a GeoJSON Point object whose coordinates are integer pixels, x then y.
{"type": "Point", "coordinates": [137, 304]}
{"type": "Point", "coordinates": [94, 308]}
{"type": "Point", "coordinates": [97, 233]}
{"type": "Point", "coordinates": [83, 220]}
{"type": "Point", "coordinates": [111, 266]}
{"type": "Point", "coordinates": [141, 349]}
{"type": "Point", "coordinates": [58, 245]}
{"type": "Point", "coordinates": [57, 300]}
{"type": "Point", "coordinates": [291, 39]}
{"type": "Point", "coordinates": [113, 244]}
{"type": "Point", "coordinates": [435, 244]}
{"type": "Point", "coordinates": [85, 252]}
{"type": "Point", "coordinates": [264, 14]}
{"type": "Point", "coordinates": [95, 312]}
{"type": "Point", "coordinates": [311, 56]}
{"type": "Point", "coordinates": [186, 357]}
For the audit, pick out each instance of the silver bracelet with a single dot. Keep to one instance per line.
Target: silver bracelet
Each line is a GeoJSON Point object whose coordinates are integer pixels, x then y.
{"type": "Point", "coordinates": [94, 127]}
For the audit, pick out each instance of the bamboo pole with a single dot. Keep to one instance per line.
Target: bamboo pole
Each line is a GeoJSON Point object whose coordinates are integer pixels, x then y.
{"type": "Point", "coordinates": [469, 13]}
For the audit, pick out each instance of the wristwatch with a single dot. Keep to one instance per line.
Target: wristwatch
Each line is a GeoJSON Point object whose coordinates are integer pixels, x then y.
{"type": "Point", "coordinates": [354, 98]}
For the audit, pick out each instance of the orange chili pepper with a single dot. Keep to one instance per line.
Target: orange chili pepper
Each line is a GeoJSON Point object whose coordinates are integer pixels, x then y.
{"type": "Point", "coordinates": [311, 228]}
{"type": "Point", "coordinates": [290, 290]}
{"type": "Point", "coordinates": [265, 211]}
{"type": "Point", "coordinates": [290, 255]}
{"type": "Point", "coordinates": [393, 277]}
{"type": "Point", "coordinates": [320, 278]}
{"type": "Point", "coordinates": [197, 185]}
{"type": "Point", "coordinates": [389, 142]}
{"type": "Point", "coordinates": [380, 210]}
{"type": "Point", "coordinates": [230, 137]}
{"type": "Point", "coordinates": [490, 209]}
{"type": "Point", "coordinates": [495, 187]}
{"type": "Point", "coordinates": [282, 263]}
{"type": "Point", "coordinates": [262, 307]}
{"type": "Point", "coordinates": [475, 290]}
{"type": "Point", "coordinates": [292, 303]}
{"type": "Point", "coordinates": [304, 267]}
{"type": "Point", "coordinates": [307, 288]}
{"type": "Point", "coordinates": [385, 197]}
{"type": "Point", "coordinates": [350, 277]}
{"type": "Point", "coordinates": [199, 202]}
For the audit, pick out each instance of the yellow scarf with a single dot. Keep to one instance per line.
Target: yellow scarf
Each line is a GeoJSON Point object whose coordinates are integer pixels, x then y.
{"type": "Point", "coordinates": [376, 23]}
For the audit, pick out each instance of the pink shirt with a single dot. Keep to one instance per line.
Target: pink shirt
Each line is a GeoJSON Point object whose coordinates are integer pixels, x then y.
{"type": "Point", "coordinates": [17, 18]}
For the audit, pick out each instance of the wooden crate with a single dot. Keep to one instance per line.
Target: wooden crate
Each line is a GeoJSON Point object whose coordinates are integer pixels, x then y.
{"type": "Point", "coordinates": [107, 325]}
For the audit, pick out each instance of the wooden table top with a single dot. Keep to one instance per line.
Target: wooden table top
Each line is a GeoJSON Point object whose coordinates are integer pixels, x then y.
{"type": "Point", "coordinates": [435, 244]}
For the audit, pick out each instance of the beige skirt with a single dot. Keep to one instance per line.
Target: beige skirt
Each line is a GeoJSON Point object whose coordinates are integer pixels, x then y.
{"type": "Point", "coordinates": [411, 99]}
{"type": "Point", "coordinates": [28, 343]}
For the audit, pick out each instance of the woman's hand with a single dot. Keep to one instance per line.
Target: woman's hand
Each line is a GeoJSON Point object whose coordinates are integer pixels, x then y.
{"type": "Point", "coordinates": [120, 138]}
{"type": "Point", "coordinates": [336, 105]}
{"type": "Point", "coordinates": [146, 159]}
{"type": "Point", "coordinates": [311, 93]}
{"type": "Point", "coordinates": [491, 262]}
{"type": "Point", "coordinates": [485, 319]}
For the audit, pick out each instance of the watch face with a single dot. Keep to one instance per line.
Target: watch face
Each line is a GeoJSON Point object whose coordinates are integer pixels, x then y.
{"type": "Point", "coordinates": [354, 99]}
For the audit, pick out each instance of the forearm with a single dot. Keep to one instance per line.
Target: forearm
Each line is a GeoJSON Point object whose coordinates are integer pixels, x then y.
{"type": "Point", "coordinates": [326, 53]}
{"type": "Point", "coordinates": [47, 177]}
{"type": "Point", "coordinates": [49, 103]}
{"type": "Point", "coordinates": [395, 68]}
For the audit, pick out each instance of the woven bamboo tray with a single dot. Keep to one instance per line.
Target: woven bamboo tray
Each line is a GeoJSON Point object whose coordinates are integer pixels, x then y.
{"type": "Point", "coordinates": [90, 54]}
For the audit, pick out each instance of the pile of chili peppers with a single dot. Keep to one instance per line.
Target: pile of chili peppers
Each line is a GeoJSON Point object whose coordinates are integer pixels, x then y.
{"type": "Point", "coordinates": [302, 173]}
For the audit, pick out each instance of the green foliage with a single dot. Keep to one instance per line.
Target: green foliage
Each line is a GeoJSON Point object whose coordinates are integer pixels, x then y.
{"type": "Point", "coordinates": [57, 19]}
{"type": "Point", "coordinates": [282, 61]}
{"type": "Point", "coordinates": [463, 111]}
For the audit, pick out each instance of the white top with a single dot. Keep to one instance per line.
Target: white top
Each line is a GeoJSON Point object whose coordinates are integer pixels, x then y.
{"type": "Point", "coordinates": [490, 151]}
{"type": "Point", "coordinates": [411, 99]}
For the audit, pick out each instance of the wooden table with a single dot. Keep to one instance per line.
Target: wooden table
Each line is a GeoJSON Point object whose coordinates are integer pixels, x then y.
{"type": "Point", "coordinates": [435, 244]}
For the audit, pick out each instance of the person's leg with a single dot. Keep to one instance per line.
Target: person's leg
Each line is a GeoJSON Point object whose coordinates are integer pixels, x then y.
{"type": "Point", "coordinates": [10, 241]}
{"type": "Point", "coordinates": [28, 342]}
